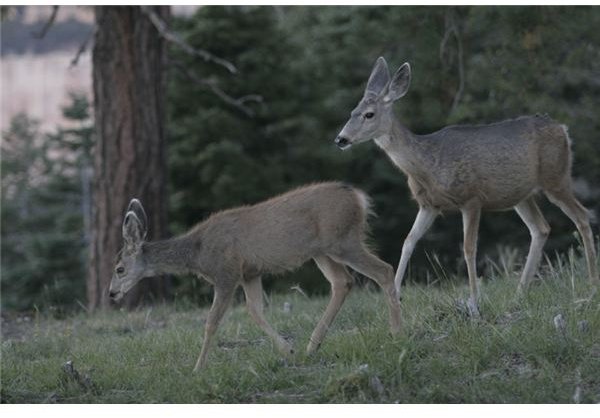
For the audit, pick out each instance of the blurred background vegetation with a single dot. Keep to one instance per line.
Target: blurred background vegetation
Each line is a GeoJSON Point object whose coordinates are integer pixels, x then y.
{"type": "Point", "coordinates": [309, 66]}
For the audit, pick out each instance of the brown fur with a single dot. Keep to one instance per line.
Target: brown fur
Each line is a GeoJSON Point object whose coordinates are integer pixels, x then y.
{"type": "Point", "coordinates": [325, 222]}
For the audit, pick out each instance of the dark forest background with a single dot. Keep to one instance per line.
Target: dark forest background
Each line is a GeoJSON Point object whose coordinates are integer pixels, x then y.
{"type": "Point", "coordinates": [300, 71]}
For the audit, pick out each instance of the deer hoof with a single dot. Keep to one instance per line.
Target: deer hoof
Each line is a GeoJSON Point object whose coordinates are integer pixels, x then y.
{"type": "Point", "coordinates": [312, 347]}
{"type": "Point", "coordinates": [473, 309]}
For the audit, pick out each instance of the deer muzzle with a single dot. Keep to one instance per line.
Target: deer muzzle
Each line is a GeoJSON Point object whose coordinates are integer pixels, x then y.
{"type": "Point", "coordinates": [115, 296]}
{"type": "Point", "coordinates": [342, 142]}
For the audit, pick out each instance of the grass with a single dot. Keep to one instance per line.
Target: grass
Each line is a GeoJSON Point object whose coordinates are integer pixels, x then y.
{"type": "Point", "coordinates": [513, 354]}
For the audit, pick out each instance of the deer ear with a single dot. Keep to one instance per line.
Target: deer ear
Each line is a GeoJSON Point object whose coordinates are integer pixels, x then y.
{"type": "Point", "coordinates": [399, 84]}
{"type": "Point", "coordinates": [132, 230]}
{"type": "Point", "coordinates": [379, 78]}
{"type": "Point", "coordinates": [136, 207]}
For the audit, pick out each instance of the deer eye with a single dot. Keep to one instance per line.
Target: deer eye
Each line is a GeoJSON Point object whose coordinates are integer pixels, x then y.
{"type": "Point", "coordinates": [369, 115]}
{"type": "Point", "coordinates": [120, 270]}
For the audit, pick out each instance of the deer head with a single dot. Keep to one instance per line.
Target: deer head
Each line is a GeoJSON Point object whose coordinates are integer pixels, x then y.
{"type": "Point", "coordinates": [130, 267]}
{"type": "Point", "coordinates": [373, 116]}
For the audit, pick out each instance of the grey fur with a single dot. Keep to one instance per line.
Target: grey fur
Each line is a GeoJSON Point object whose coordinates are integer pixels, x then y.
{"type": "Point", "coordinates": [471, 168]}
{"type": "Point", "coordinates": [136, 207]}
{"type": "Point", "coordinates": [379, 78]}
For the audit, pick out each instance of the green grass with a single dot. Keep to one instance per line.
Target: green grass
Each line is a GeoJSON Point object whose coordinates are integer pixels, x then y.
{"type": "Point", "coordinates": [512, 354]}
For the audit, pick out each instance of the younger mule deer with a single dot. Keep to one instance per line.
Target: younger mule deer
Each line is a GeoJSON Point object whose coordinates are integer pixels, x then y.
{"type": "Point", "coordinates": [325, 222]}
{"type": "Point", "coordinates": [472, 167]}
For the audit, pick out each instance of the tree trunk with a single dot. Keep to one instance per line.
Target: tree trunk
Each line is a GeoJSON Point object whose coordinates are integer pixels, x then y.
{"type": "Point", "coordinates": [129, 73]}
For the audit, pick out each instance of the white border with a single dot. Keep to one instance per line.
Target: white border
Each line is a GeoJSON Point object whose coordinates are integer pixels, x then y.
{"type": "Point", "coordinates": [302, 410]}
{"type": "Point", "coordinates": [330, 3]}
{"type": "Point", "coordinates": [299, 411]}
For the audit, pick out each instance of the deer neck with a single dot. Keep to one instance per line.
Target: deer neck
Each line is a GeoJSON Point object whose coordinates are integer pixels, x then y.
{"type": "Point", "coordinates": [405, 150]}
{"type": "Point", "coordinates": [172, 256]}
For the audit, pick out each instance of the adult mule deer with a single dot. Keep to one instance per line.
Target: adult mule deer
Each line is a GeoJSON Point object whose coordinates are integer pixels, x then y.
{"type": "Point", "coordinates": [326, 222]}
{"type": "Point", "coordinates": [469, 168]}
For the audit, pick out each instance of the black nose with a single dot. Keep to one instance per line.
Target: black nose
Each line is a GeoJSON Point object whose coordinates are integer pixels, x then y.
{"type": "Point", "coordinates": [341, 141]}
{"type": "Point", "coordinates": [112, 294]}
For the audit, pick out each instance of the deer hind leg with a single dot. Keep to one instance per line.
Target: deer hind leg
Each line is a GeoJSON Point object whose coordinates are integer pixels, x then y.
{"type": "Point", "coordinates": [221, 301]}
{"type": "Point", "coordinates": [341, 283]}
{"type": "Point", "coordinates": [471, 216]}
{"type": "Point", "coordinates": [539, 229]}
{"type": "Point", "coordinates": [565, 200]}
{"type": "Point", "coordinates": [422, 223]}
{"type": "Point", "coordinates": [358, 258]}
{"type": "Point", "coordinates": [254, 302]}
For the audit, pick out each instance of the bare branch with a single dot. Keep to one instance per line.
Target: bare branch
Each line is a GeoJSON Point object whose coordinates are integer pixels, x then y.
{"type": "Point", "coordinates": [257, 98]}
{"type": "Point", "coordinates": [82, 47]}
{"type": "Point", "coordinates": [239, 103]}
{"type": "Point", "coordinates": [452, 29]}
{"type": "Point", "coordinates": [173, 37]}
{"type": "Point", "coordinates": [461, 70]}
{"type": "Point", "coordinates": [447, 34]}
{"type": "Point", "coordinates": [41, 34]}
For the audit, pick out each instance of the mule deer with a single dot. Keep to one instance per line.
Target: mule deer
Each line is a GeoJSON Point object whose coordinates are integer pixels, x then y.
{"type": "Point", "coordinates": [469, 168]}
{"type": "Point", "coordinates": [326, 222]}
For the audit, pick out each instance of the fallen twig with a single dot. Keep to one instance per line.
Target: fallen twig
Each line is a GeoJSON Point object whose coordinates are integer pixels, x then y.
{"type": "Point", "coordinates": [72, 375]}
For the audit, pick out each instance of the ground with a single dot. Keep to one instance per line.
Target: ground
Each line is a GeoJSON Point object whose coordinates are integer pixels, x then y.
{"type": "Point", "coordinates": [542, 348]}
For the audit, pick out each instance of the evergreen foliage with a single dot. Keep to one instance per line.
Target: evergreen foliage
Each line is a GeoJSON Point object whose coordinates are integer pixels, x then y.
{"type": "Point", "coordinates": [310, 64]}
{"type": "Point", "coordinates": [43, 239]}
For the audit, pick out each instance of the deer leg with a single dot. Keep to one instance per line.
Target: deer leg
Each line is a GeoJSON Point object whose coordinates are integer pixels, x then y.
{"type": "Point", "coordinates": [471, 216]}
{"type": "Point", "coordinates": [539, 229]}
{"type": "Point", "coordinates": [221, 301]}
{"type": "Point", "coordinates": [422, 223]}
{"type": "Point", "coordinates": [565, 200]}
{"type": "Point", "coordinates": [254, 302]}
{"type": "Point", "coordinates": [361, 260]}
{"type": "Point", "coordinates": [341, 283]}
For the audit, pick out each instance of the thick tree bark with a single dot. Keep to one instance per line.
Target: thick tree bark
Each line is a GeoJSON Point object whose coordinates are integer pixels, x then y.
{"type": "Point", "coordinates": [129, 74]}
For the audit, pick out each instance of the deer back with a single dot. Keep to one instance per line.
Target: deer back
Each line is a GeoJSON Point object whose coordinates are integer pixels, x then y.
{"type": "Point", "coordinates": [284, 232]}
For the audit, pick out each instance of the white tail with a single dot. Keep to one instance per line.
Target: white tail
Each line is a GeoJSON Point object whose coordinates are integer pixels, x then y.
{"type": "Point", "coordinates": [472, 167]}
{"type": "Point", "coordinates": [324, 222]}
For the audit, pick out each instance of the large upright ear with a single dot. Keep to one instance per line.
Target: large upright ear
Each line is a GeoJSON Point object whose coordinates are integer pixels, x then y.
{"type": "Point", "coordinates": [399, 84]}
{"type": "Point", "coordinates": [379, 78]}
{"type": "Point", "coordinates": [133, 233]}
{"type": "Point", "coordinates": [136, 207]}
